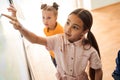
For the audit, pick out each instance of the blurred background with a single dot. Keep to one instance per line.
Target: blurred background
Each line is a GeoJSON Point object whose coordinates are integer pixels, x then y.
{"type": "Point", "coordinates": [21, 60]}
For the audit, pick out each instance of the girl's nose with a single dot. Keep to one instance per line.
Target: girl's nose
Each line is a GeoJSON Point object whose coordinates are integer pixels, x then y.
{"type": "Point", "coordinates": [68, 29]}
{"type": "Point", "coordinates": [45, 20]}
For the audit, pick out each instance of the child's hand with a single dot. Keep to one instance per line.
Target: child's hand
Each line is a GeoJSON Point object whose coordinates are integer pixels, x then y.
{"type": "Point", "coordinates": [12, 10]}
{"type": "Point", "coordinates": [13, 17]}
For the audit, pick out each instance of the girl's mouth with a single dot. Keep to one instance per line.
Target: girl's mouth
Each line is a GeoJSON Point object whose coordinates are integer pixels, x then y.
{"type": "Point", "coordinates": [68, 35]}
{"type": "Point", "coordinates": [46, 25]}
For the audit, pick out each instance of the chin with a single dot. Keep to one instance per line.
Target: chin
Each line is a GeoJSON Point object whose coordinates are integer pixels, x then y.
{"type": "Point", "coordinates": [70, 41]}
{"type": "Point", "coordinates": [46, 26]}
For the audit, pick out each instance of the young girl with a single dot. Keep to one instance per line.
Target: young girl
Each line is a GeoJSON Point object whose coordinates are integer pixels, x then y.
{"type": "Point", "coordinates": [73, 50]}
{"type": "Point", "coordinates": [52, 27]}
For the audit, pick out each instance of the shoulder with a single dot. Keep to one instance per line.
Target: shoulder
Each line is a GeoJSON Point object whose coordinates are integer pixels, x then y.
{"type": "Point", "coordinates": [90, 50]}
{"type": "Point", "coordinates": [54, 41]}
{"type": "Point", "coordinates": [59, 27]}
{"type": "Point", "coordinates": [58, 24]}
{"type": "Point", "coordinates": [93, 50]}
{"type": "Point", "coordinates": [55, 37]}
{"type": "Point", "coordinates": [45, 30]}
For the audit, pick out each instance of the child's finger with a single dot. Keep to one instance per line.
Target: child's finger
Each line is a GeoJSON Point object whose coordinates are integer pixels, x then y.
{"type": "Point", "coordinates": [13, 22]}
{"type": "Point", "coordinates": [10, 17]}
{"type": "Point", "coordinates": [11, 5]}
{"type": "Point", "coordinates": [11, 9]}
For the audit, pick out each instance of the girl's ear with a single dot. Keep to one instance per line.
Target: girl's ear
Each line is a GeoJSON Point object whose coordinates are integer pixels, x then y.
{"type": "Point", "coordinates": [84, 32]}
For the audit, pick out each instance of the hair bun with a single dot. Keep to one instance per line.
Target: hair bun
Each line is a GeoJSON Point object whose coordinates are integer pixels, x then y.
{"type": "Point", "coordinates": [43, 6]}
{"type": "Point", "coordinates": [55, 5]}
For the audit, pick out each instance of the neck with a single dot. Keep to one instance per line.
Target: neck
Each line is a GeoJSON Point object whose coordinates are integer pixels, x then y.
{"type": "Point", "coordinates": [52, 28]}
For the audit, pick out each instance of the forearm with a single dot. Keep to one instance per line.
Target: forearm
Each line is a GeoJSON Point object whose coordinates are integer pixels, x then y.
{"type": "Point", "coordinates": [18, 26]}
{"type": "Point", "coordinates": [33, 38]}
{"type": "Point", "coordinates": [98, 74]}
{"type": "Point", "coordinates": [28, 35]}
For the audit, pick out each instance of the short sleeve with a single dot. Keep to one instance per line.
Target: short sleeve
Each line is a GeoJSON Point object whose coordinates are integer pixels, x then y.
{"type": "Point", "coordinates": [95, 61]}
{"type": "Point", "coordinates": [51, 42]}
{"type": "Point", "coordinates": [54, 42]}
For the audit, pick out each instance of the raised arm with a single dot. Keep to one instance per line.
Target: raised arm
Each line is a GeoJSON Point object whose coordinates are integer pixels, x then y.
{"type": "Point", "coordinates": [28, 35]}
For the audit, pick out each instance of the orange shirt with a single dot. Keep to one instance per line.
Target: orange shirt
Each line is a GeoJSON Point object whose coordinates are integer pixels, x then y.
{"type": "Point", "coordinates": [57, 30]}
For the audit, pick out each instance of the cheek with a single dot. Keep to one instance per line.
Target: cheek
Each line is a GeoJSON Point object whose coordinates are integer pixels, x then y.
{"type": "Point", "coordinates": [43, 20]}
{"type": "Point", "coordinates": [52, 21]}
{"type": "Point", "coordinates": [65, 28]}
{"type": "Point", "coordinates": [77, 36]}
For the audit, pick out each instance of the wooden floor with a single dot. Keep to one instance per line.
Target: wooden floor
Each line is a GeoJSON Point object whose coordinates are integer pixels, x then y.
{"type": "Point", "coordinates": [106, 28]}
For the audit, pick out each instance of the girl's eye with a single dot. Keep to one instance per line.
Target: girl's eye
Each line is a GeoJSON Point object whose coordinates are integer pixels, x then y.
{"type": "Point", "coordinates": [43, 17]}
{"type": "Point", "coordinates": [67, 23]}
{"type": "Point", "coordinates": [75, 27]}
{"type": "Point", "coordinates": [49, 18]}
